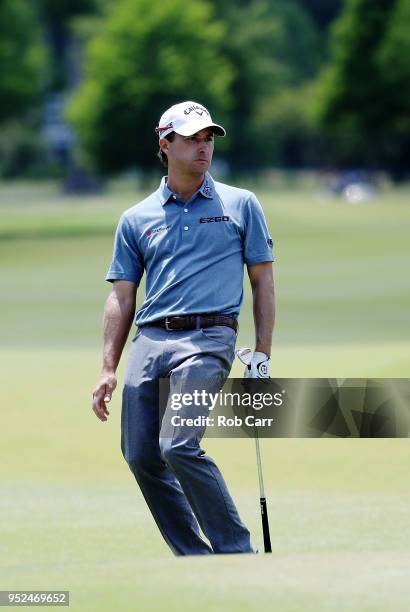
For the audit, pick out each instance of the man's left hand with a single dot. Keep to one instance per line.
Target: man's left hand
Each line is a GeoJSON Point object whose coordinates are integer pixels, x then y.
{"type": "Point", "coordinates": [257, 363]}
{"type": "Point", "coordinates": [259, 366]}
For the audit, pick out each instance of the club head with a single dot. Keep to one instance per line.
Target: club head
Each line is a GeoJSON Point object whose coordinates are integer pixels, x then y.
{"type": "Point", "coordinates": [244, 355]}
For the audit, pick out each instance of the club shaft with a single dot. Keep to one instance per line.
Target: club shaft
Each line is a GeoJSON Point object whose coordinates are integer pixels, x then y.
{"type": "Point", "coordinates": [259, 463]}
{"type": "Point", "coordinates": [264, 509]}
{"type": "Point", "coordinates": [265, 526]}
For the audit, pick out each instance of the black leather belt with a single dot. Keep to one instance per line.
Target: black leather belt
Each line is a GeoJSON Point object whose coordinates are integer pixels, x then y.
{"type": "Point", "coordinates": [187, 322]}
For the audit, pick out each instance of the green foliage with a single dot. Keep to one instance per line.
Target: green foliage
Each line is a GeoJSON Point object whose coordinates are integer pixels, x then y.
{"type": "Point", "coordinates": [322, 11]}
{"type": "Point", "coordinates": [22, 152]}
{"type": "Point", "coordinates": [300, 45]}
{"type": "Point", "coordinates": [60, 11]}
{"type": "Point", "coordinates": [364, 95]}
{"type": "Point", "coordinates": [285, 128]}
{"type": "Point", "coordinates": [394, 61]}
{"type": "Point", "coordinates": [58, 17]}
{"type": "Point", "coordinates": [22, 57]}
{"type": "Point", "coordinates": [144, 58]}
{"type": "Point", "coordinates": [147, 57]}
{"type": "Point", "coordinates": [272, 46]}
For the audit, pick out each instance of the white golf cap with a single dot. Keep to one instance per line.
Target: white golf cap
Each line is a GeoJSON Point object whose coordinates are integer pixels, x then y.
{"type": "Point", "coordinates": [186, 119]}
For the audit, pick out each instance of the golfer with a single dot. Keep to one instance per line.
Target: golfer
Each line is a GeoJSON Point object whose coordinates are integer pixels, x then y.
{"type": "Point", "coordinates": [191, 237]}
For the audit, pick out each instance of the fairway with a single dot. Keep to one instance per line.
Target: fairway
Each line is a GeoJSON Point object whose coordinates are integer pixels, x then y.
{"type": "Point", "coordinates": [72, 517]}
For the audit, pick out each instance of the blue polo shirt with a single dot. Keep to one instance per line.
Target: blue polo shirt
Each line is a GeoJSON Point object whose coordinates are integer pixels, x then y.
{"type": "Point", "coordinates": [193, 252]}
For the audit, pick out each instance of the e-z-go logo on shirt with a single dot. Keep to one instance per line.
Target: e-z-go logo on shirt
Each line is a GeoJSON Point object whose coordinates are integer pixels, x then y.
{"type": "Point", "coordinates": [213, 219]}
{"type": "Point", "coordinates": [161, 228]}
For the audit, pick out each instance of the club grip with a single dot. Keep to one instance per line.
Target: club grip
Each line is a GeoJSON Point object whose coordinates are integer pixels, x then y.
{"type": "Point", "coordinates": [265, 525]}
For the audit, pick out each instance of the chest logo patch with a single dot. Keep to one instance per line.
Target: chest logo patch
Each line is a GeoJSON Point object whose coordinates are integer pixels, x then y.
{"type": "Point", "coordinates": [213, 219]}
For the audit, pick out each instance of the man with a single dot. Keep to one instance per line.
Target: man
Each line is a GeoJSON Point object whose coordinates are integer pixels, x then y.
{"type": "Point", "coordinates": [192, 237]}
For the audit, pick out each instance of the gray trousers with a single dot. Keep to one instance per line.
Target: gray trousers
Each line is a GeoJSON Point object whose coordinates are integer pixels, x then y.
{"type": "Point", "coordinates": [182, 486]}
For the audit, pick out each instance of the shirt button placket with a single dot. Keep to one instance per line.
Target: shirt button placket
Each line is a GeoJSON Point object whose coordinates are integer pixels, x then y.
{"type": "Point", "coordinates": [186, 227]}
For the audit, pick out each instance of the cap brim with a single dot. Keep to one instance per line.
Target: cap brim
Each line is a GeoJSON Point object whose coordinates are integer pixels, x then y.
{"type": "Point", "coordinates": [193, 128]}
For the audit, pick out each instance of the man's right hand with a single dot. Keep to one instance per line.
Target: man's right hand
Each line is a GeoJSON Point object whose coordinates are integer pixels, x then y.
{"type": "Point", "coordinates": [102, 394]}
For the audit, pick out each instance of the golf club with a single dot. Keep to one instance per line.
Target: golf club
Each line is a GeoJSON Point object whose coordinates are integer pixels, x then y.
{"type": "Point", "coordinates": [245, 356]}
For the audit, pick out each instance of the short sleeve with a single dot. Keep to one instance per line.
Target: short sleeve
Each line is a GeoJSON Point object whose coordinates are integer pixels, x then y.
{"type": "Point", "coordinates": [258, 244]}
{"type": "Point", "coordinates": [127, 262]}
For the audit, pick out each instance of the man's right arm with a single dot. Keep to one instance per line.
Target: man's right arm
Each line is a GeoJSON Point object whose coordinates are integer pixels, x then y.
{"type": "Point", "coordinates": [118, 316]}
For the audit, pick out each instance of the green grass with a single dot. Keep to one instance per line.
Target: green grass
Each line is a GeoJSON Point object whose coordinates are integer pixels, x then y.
{"type": "Point", "coordinates": [71, 516]}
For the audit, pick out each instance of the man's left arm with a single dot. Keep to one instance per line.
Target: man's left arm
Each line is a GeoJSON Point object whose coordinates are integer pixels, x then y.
{"type": "Point", "coordinates": [262, 284]}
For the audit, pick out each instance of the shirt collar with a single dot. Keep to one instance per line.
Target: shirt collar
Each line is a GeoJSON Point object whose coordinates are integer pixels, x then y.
{"type": "Point", "coordinates": [164, 192]}
{"type": "Point", "coordinates": [207, 189]}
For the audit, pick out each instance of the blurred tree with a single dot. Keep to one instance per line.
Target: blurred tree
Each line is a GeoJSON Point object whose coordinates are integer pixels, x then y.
{"type": "Point", "coordinates": [22, 58]}
{"type": "Point", "coordinates": [145, 58]}
{"type": "Point", "coordinates": [61, 20]}
{"type": "Point", "coordinates": [364, 102]}
{"type": "Point", "coordinates": [63, 10]}
{"type": "Point", "coordinates": [323, 12]}
{"type": "Point", "coordinates": [286, 127]}
{"type": "Point", "coordinates": [22, 151]}
{"type": "Point", "coordinates": [57, 16]}
{"type": "Point", "coordinates": [272, 45]}
{"type": "Point", "coordinates": [394, 61]}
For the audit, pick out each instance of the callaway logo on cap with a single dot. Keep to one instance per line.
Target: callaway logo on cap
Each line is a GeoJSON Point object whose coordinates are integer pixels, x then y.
{"type": "Point", "coordinates": [187, 118]}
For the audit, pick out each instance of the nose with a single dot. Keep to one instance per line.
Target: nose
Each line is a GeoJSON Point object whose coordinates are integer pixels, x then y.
{"type": "Point", "coordinates": [203, 146]}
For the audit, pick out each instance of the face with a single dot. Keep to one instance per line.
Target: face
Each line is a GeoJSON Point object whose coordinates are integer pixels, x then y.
{"type": "Point", "coordinates": [190, 154]}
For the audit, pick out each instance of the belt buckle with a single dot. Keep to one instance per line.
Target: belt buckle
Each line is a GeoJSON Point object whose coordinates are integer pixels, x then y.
{"type": "Point", "coordinates": [168, 326]}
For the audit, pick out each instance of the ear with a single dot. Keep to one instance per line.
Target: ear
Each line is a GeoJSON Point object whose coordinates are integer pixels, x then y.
{"type": "Point", "coordinates": [164, 144]}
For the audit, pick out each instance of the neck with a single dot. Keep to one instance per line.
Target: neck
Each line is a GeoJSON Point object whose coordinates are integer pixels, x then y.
{"type": "Point", "coordinates": [184, 185]}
